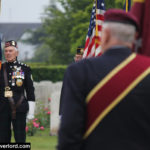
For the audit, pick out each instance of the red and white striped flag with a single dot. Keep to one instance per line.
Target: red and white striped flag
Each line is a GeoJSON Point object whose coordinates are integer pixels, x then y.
{"type": "Point", "coordinates": [93, 39]}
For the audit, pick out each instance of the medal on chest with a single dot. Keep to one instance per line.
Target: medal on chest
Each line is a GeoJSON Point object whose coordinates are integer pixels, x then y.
{"type": "Point", "coordinates": [17, 77]}
{"type": "Point", "coordinates": [19, 82]}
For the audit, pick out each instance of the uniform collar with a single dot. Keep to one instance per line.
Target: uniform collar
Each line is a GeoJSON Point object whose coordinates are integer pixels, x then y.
{"type": "Point", "coordinates": [118, 50]}
{"type": "Point", "coordinates": [12, 63]}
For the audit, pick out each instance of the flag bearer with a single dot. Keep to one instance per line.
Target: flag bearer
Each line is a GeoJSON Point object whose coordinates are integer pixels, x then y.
{"type": "Point", "coordinates": [106, 99]}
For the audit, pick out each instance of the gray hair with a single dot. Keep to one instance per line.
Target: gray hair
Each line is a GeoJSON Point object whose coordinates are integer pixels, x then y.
{"type": "Point", "coordinates": [120, 31]}
{"type": "Point", "coordinates": [16, 48]}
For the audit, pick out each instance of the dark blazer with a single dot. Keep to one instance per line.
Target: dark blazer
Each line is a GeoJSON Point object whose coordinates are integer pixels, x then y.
{"type": "Point", "coordinates": [20, 82]}
{"type": "Point", "coordinates": [126, 127]}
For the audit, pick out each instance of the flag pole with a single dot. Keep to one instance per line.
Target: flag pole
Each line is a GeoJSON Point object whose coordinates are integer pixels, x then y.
{"type": "Point", "coordinates": [96, 40]}
{"type": "Point", "coordinates": [96, 20]}
{"type": "Point", "coordinates": [127, 5]}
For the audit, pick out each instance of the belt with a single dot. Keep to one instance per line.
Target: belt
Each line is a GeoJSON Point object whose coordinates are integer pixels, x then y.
{"type": "Point", "coordinates": [10, 98]}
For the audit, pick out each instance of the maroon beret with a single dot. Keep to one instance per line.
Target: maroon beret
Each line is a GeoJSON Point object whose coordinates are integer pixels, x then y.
{"type": "Point", "coordinates": [11, 43]}
{"type": "Point", "coordinates": [119, 15]}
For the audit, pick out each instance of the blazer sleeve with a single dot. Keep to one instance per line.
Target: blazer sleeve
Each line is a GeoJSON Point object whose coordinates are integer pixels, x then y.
{"type": "Point", "coordinates": [29, 85]}
{"type": "Point", "coordinates": [72, 125]}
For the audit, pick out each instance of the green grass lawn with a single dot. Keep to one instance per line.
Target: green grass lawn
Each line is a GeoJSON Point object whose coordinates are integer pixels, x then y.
{"type": "Point", "coordinates": [42, 141]}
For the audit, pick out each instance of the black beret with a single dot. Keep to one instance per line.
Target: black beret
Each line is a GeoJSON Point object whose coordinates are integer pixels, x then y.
{"type": "Point", "coordinates": [11, 43]}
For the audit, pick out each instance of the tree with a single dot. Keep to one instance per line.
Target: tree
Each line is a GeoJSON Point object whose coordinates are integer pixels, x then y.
{"type": "Point", "coordinates": [65, 29]}
{"type": "Point", "coordinates": [57, 30]}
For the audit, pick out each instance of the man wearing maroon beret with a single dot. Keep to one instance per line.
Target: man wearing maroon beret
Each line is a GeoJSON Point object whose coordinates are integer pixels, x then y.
{"type": "Point", "coordinates": [106, 102]}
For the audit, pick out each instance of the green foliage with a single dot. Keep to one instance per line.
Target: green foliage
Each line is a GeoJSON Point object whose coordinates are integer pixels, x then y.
{"type": "Point", "coordinates": [41, 120]}
{"type": "Point", "coordinates": [52, 73]}
{"type": "Point", "coordinates": [109, 4]}
{"type": "Point", "coordinates": [41, 141]}
{"type": "Point", "coordinates": [30, 128]}
{"type": "Point", "coordinates": [65, 29]}
{"type": "Point", "coordinates": [58, 25]}
{"type": "Point", "coordinates": [42, 114]}
{"type": "Point", "coordinates": [119, 3]}
{"type": "Point", "coordinates": [39, 57]}
{"type": "Point", "coordinates": [80, 28]}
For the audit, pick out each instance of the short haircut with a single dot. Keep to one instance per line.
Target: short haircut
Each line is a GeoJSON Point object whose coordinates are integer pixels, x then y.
{"type": "Point", "coordinates": [120, 31]}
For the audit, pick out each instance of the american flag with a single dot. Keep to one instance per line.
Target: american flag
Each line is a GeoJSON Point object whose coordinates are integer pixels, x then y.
{"type": "Point", "coordinates": [93, 39]}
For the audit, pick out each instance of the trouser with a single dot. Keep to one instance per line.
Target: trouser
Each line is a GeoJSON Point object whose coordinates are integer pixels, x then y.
{"type": "Point", "coordinates": [19, 125]}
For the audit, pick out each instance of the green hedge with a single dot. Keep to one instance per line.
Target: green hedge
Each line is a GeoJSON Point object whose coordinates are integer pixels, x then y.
{"type": "Point", "coordinates": [52, 73]}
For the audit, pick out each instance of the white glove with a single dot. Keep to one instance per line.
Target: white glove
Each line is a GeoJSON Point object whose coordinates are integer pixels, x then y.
{"type": "Point", "coordinates": [30, 114]}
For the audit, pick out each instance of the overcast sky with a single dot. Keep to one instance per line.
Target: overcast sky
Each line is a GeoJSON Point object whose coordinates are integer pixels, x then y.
{"type": "Point", "coordinates": [22, 10]}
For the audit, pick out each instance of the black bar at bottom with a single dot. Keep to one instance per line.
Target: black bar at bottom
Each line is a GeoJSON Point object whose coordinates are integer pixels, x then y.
{"type": "Point", "coordinates": [23, 146]}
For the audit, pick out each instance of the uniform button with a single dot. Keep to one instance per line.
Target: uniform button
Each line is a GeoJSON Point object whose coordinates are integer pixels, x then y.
{"type": "Point", "coordinates": [10, 66]}
{"type": "Point", "coordinates": [9, 73]}
{"type": "Point", "coordinates": [9, 81]}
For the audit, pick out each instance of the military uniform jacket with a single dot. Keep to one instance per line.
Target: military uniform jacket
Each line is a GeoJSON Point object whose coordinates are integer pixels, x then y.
{"type": "Point", "coordinates": [20, 81]}
{"type": "Point", "coordinates": [126, 127]}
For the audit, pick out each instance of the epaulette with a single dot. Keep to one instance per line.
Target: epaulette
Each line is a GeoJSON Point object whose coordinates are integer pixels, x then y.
{"type": "Point", "coordinates": [23, 64]}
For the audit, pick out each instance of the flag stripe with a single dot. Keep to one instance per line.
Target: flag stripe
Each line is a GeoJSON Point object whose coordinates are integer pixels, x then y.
{"type": "Point", "coordinates": [93, 39]}
{"type": "Point", "coordinates": [100, 17]}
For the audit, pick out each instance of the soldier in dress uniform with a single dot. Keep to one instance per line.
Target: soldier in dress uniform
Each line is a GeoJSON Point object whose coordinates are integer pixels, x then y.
{"type": "Point", "coordinates": [106, 99]}
{"type": "Point", "coordinates": [16, 95]}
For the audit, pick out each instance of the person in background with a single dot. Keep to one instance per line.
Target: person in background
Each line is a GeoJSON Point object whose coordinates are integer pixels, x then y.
{"type": "Point", "coordinates": [16, 95]}
{"type": "Point", "coordinates": [78, 57]}
{"type": "Point", "coordinates": [79, 54]}
{"type": "Point", "coordinates": [106, 102]}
